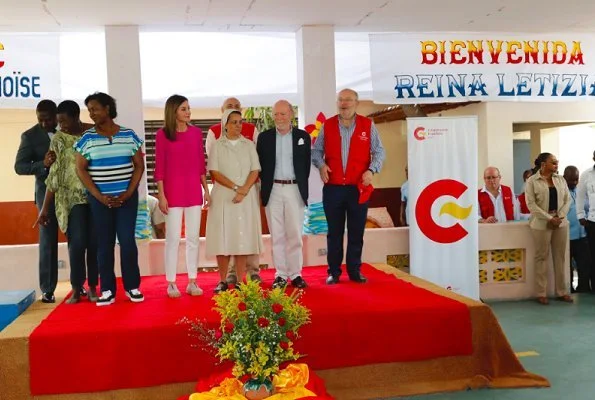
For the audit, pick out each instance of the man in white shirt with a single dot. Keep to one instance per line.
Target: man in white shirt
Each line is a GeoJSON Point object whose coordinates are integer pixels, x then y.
{"type": "Point", "coordinates": [157, 218]}
{"type": "Point", "coordinates": [586, 193]}
{"type": "Point", "coordinates": [497, 203]}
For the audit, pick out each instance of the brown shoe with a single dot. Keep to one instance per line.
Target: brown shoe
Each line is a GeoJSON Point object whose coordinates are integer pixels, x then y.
{"type": "Point", "coordinates": [75, 297]}
{"type": "Point", "coordinates": [92, 293]}
{"type": "Point", "coordinates": [566, 298]}
{"type": "Point", "coordinates": [543, 300]}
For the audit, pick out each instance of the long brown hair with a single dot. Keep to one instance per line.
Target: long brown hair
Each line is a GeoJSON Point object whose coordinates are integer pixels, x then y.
{"type": "Point", "coordinates": [171, 107]}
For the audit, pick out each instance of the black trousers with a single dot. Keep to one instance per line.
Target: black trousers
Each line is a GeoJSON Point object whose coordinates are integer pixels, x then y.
{"type": "Point", "coordinates": [48, 249]}
{"type": "Point", "coordinates": [82, 246]}
{"type": "Point", "coordinates": [341, 203]}
{"type": "Point", "coordinates": [581, 255]}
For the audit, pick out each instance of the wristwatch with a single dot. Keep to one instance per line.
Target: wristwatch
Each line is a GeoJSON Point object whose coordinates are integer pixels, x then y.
{"type": "Point", "coordinates": [235, 188]}
{"type": "Point", "coordinates": [373, 173]}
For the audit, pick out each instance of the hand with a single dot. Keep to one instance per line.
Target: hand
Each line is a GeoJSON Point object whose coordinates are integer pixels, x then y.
{"type": "Point", "coordinates": [583, 222]}
{"type": "Point", "coordinates": [367, 177]}
{"type": "Point", "coordinates": [489, 220]}
{"type": "Point", "coordinates": [243, 190]}
{"type": "Point", "coordinates": [163, 205]}
{"type": "Point", "coordinates": [324, 171]}
{"type": "Point", "coordinates": [238, 198]}
{"type": "Point", "coordinates": [117, 201]}
{"type": "Point", "coordinates": [49, 159]}
{"type": "Point", "coordinates": [207, 201]}
{"type": "Point", "coordinates": [556, 221]}
{"type": "Point", "coordinates": [42, 219]}
{"type": "Point", "coordinates": [103, 199]}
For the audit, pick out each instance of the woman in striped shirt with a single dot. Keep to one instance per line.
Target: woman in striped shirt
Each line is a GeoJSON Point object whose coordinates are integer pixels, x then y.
{"type": "Point", "coordinates": [110, 165]}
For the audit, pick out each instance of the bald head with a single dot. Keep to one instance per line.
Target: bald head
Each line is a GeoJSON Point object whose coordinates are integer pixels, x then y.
{"type": "Point", "coordinates": [283, 115]}
{"type": "Point", "coordinates": [571, 175]}
{"type": "Point", "coordinates": [231, 103]}
{"type": "Point", "coordinates": [491, 178]}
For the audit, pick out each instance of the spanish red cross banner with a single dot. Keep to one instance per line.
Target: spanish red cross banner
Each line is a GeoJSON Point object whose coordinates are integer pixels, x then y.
{"type": "Point", "coordinates": [443, 233]}
{"type": "Point", "coordinates": [441, 67]}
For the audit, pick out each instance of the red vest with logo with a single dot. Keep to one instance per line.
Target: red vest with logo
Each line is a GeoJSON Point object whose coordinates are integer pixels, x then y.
{"type": "Point", "coordinates": [487, 207]}
{"type": "Point", "coordinates": [523, 204]}
{"type": "Point", "coordinates": [359, 151]}
{"type": "Point", "coordinates": [247, 130]}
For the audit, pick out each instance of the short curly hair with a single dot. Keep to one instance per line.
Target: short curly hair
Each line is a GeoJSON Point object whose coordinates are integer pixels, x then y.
{"type": "Point", "coordinates": [105, 100]}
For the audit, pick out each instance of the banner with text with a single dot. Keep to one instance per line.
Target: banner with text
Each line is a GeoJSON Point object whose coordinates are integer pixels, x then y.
{"type": "Point", "coordinates": [443, 234]}
{"type": "Point", "coordinates": [455, 67]}
{"type": "Point", "coordinates": [29, 69]}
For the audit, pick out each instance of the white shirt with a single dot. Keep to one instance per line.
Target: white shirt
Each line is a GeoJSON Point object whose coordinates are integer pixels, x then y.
{"type": "Point", "coordinates": [499, 211]}
{"type": "Point", "coordinates": [586, 191]}
{"type": "Point", "coordinates": [211, 139]}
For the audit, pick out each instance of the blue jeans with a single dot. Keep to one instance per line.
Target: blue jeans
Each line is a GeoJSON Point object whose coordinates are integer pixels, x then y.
{"type": "Point", "coordinates": [82, 243]}
{"type": "Point", "coordinates": [342, 203]}
{"type": "Point", "coordinates": [108, 223]}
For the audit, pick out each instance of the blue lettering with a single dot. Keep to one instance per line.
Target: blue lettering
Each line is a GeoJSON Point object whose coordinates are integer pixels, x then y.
{"type": "Point", "coordinates": [584, 84]}
{"type": "Point", "coordinates": [477, 85]}
{"type": "Point", "coordinates": [35, 85]}
{"type": "Point", "coordinates": [422, 84]}
{"type": "Point", "coordinates": [524, 79]}
{"type": "Point", "coordinates": [502, 91]}
{"type": "Point", "coordinates": [5, 84]}
{"type": "Point", "coordinates": [569, 79]}
{"type": "Point", "coordinates": [541, 78]}
{"type": "Point", "coordinates": [453, 85]}
{"type": "Point", "coordinates": [404, 83]}
{"type": "Point", "coordinates": [439, 85]}
{"type": "Point", "coordinates": [555, 84]}
{"type": "Point", "coordinates": [25, 89]}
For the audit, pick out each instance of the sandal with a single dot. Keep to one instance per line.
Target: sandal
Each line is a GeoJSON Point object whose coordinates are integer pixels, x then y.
{"type": "Point", "coordinates": [566, 298]}
{"type": "Point", "coordinates": [543, 300]}
{"type": "Point", "coordinates": [221, 287]}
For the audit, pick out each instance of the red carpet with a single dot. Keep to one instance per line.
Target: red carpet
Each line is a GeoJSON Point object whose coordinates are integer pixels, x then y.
{"type": "Point", "coordinates": [83, 348]}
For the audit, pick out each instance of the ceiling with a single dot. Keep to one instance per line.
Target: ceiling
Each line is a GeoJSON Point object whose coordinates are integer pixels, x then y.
{"type": "Point", "coordinates": [290, 15]}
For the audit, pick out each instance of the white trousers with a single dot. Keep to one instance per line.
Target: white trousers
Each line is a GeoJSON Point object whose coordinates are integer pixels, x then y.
{"type": "Point", "coordinates": [173, 231]}
{"type": "Point", "coordinates": [285, 217]}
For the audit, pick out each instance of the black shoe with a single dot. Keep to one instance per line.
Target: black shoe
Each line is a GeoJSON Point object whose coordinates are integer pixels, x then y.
{"type": "Point", "coordinates": [83, 292]}
{"type": "Point", "coordinates": [279, 283]}
{"type": "Point", "coordinates": [358, 278]}
{"type": "Point", "coordinates": [332, 280]}
{"type": "Point", "coordinates": [221, 287]}
{"type": "Point", "coordinates": [299, 283]}
{"type": "Point", "coordinates": [48, 298]}
{"type": "Point", "coordinates": [232, 279]}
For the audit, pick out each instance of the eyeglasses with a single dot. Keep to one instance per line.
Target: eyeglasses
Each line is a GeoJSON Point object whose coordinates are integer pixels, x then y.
{"type": "Point", "coordinates": [491, 177]}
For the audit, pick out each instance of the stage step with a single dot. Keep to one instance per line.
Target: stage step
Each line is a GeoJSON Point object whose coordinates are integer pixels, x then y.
{"type": "Point", "coordinates": [13, 303]}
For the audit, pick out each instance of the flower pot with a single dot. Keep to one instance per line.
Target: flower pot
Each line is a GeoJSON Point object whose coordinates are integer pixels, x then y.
{"type": "Point", "coordinates": [257, 389]}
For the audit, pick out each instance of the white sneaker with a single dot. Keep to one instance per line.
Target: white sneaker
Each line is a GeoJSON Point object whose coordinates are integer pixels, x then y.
{"type": "Point", "coordinates": [135, 295]}
{"type": "Point", "coordinates": [193, 289]}
{"type": "Point", "coordinates": [107, 298]}
{"type": "Point", "coordinates": [172, 291]}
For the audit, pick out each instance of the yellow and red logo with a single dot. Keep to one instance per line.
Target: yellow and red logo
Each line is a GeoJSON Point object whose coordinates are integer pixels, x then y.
{"type": "Point", "coordinates": [423, 211]}
{"type": "Point", "coordinates": [420, 133]}
{"type": "Point", "coordinates": [1, 48]}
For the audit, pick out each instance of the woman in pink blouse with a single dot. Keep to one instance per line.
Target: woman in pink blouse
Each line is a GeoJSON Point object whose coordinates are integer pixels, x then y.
{"type": "Point", "coordinates": [180, 171]}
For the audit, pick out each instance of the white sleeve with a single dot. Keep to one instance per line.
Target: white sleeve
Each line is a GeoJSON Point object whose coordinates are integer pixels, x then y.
{"type": "Point", "coordinates": [210, 141]}
{"type": "Point", "coordinates": [255, 135]}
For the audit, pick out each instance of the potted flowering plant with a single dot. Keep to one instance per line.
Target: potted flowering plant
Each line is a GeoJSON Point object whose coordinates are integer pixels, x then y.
{"type": "Point", "coordinates": [257, 331]}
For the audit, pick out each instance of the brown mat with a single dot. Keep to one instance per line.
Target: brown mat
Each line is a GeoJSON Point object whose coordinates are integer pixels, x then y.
{"type": "Point", "coordinates": [493, 363]}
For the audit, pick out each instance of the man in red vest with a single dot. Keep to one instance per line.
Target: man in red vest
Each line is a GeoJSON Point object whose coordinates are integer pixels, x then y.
{"type": "Point", "coordinates": [497, 203]}
{"type": "Point", "coordinates": [250, 132]}
{"type": "Point", "coordinates": [348, 152]}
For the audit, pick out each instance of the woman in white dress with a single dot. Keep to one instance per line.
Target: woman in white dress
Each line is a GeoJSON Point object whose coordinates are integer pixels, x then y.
{"type": "Point", "coordinates": [233, 221]}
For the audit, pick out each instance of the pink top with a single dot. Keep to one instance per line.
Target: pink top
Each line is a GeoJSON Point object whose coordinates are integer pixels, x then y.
{"type": "Point", "coordinates": [180, 164]}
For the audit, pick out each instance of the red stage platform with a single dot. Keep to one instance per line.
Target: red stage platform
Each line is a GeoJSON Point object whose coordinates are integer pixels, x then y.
{"type": "Point", "coordinates": [387, 320]}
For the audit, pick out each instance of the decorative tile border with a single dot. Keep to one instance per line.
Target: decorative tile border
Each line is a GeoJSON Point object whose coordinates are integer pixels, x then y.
{"type": "Point", "coordinates": [495, 266]}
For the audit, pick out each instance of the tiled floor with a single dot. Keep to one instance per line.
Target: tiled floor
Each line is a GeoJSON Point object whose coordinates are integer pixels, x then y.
{"type": "Point", "coordinates": [562, 334]}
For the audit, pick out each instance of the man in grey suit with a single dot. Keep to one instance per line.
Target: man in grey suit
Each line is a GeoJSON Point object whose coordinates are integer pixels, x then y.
{"type": "Point", "coordinates": [34, 158]}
